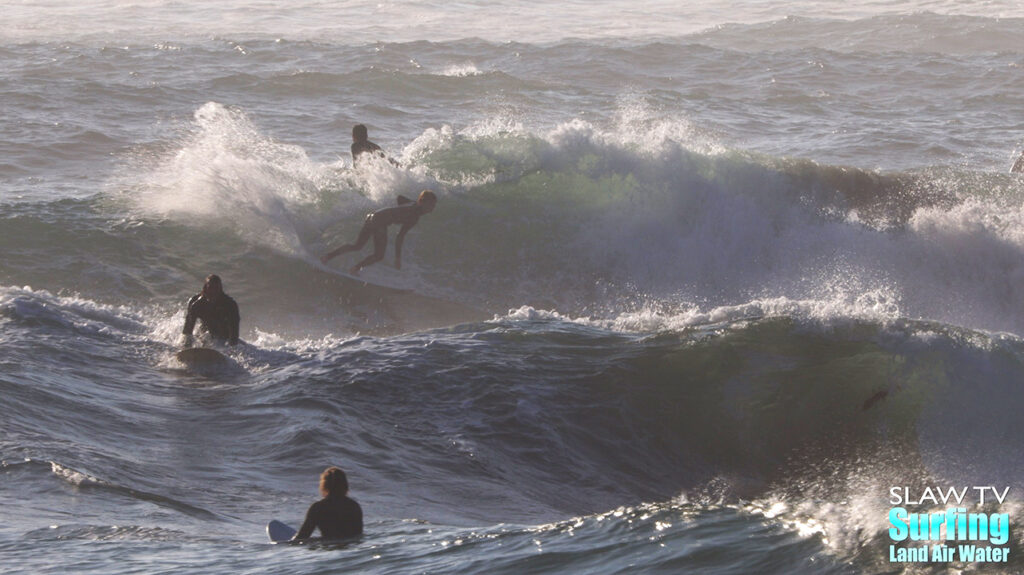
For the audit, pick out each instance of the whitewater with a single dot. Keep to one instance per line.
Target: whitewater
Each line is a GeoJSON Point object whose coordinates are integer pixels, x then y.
{"type": "Point", "coordinates": [703, 285]}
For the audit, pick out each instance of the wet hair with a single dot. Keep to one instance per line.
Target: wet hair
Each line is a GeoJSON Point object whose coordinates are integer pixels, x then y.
{"type": "Point", "coordinates": [333, 482]}
{"type": "Point", "coordinates": [428, 196]}
{"type": "Point", "coordinates": [214, 279]}
{"type": "Point", "coordinates": [359, 132]}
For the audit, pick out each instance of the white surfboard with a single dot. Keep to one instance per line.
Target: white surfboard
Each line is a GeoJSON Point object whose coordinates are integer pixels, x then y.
{"type": "Point", "coordinates": [361, 281]}
{"type": "Point", "coordinates": [200, 356]}
{"type": "Point", "coordinates": [279, 532]}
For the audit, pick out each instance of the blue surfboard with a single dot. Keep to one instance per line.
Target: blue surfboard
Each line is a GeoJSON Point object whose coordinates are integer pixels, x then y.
{"type": "Point", "coordinates": [279, 532]}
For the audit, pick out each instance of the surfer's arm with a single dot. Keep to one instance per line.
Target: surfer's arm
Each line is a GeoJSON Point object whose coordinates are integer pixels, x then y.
{"type": "Point", "coordinates": [233, 322]}
{"type": "Point", "coordinates": [306, 531]}
{"type": "Point", "coordinates": [190, 321]}
{"type": "Point", "coordinates": [399, 240]}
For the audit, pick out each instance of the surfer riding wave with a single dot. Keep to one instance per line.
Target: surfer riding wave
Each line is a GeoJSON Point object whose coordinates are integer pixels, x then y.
{"type": "Point", "coordinates": [406, 214]}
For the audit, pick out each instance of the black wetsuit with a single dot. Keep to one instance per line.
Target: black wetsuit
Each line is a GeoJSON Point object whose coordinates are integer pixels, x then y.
{"type": "Point", "coordinates": [219, 316]}
{"type": "Point", "coordinates": [336, 517]}
{"type": "Point", "coordinates": [366, 146]}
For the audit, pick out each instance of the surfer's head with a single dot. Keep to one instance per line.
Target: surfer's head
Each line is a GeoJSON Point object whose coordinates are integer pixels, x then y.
{"type": "Point", "coordinates": [213, 285]}
{"type": "Point", "coordinates": [359, 133]}
{"type": "Point", "coordinates": [333, 482]}
{"type": "Point", "coordinates": [427, 201]}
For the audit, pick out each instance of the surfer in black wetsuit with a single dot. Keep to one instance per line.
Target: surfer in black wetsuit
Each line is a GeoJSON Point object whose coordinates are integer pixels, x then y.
{"type": "Point", "coordinates": [406, 214]}
{"type": "Point", "coordinates": [336, 515]}
{"type": "Point", "coordinates": [361, 144]}
{"type": "Point", "coordinates": [217, 311]}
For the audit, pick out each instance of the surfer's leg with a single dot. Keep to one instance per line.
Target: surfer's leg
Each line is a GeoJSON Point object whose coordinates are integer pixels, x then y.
{"type": "Point", "coordinates": [380, 246]}
{"type": "Point", "coordinates": [364, 236]}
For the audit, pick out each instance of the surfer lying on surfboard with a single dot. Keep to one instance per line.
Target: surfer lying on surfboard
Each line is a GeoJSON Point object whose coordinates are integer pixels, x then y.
{"type": "Point", "coordinates": [217, 311]}
{"type": "Point", "coordinates": [406, 214]}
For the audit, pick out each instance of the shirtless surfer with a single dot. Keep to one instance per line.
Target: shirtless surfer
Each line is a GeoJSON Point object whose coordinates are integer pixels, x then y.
{"type": "Point", "coordinates": [406, 214]}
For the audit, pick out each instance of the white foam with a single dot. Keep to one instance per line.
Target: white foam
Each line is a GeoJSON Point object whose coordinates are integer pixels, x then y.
{"type": "Point", "coordinates": [875, 307]}
{"type": "Point", "coordinates": [72, 311]}
{"type": "Point", "coordinates": [645, 204]}
{"type": "Point", "coordinates": [461, 70]}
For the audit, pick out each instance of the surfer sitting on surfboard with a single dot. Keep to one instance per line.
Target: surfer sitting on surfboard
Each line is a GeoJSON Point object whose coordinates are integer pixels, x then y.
{"type": "Point", "coordinates": [336, 515]}
{"type": "Point", "coordinates": [217, 311]}
{"type": "Point", "coordinates": [407, 213]}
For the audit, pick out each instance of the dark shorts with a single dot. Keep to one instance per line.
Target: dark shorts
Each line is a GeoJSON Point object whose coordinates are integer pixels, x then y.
{"type": "Point", "coordinates": [378, 232]}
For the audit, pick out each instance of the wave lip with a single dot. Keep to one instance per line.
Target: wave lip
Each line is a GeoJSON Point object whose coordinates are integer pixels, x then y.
{"type": "Point", "coordinates": [647, 214]}
{"type": "Point", "coordinates": [85, 481]}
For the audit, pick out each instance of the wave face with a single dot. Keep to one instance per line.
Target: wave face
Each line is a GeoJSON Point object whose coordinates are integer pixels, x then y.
{"type": "Point", "coordinates": [576, 219]}
{"type": "Point", "coordinates": [703, 284]}
{"type": "Point", "coordinates": [721, 424]}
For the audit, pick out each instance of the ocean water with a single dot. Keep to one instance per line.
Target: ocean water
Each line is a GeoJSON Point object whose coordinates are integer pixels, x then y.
{"type": "Point", "coordinates": [703, 284]}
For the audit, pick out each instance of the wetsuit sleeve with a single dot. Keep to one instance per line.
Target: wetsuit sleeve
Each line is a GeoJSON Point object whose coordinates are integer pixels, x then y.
{"type": "Point", "coordinates": [190, 316]}
{"type": "Point", "coordinates": [402, 200]}
{"type": "Point", "coordinates": [306, 531]}
{"type": "Point", "coordinates": [233, 322]}
{"type": "Point", "coordinates": [357, 521]}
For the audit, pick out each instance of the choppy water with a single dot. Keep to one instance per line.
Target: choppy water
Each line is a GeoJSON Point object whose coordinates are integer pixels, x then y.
{"type": "Point", "coordinates": [703, 282]}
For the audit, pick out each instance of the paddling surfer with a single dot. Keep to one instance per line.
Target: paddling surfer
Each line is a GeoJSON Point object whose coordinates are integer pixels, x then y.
{"type": "Point", "coordinates": [217, 311]}
{"type": "Point", "coordinates": [406, 214]}
{"type": "Point", "coordinates": [361, 145]}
